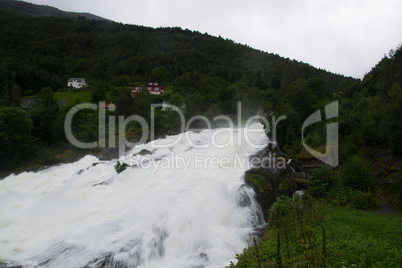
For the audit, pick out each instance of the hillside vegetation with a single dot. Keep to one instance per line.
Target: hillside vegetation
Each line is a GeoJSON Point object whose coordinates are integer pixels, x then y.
{"type": "Point", "coordinates": [208, 74]}
{"type": "Point", "coordinates": [312, 236]}
{"type": "Point", "coordinates": [43, 11]}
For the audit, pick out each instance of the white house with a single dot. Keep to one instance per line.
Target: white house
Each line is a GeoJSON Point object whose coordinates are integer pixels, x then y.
{"type": "Point", "coordinates": [76, 82]}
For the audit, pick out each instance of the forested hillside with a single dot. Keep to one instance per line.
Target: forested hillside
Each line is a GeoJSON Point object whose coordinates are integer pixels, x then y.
{"type": "Point", "coordinates": [42, 10]}
{"type": "Point", "coordinates": [207, 74]}
{"type": "Point", "coordinates": [53, 49]}
{"type": "Point", "coordinates": [301, 231]}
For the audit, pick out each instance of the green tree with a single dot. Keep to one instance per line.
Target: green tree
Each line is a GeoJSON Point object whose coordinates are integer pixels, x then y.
{"type": "Point", "coordinates": [391, 127]}
{"type": "Point", "coordinates": [99, 93]}
{"type": "Point", "coordinates": [11, 96]}
{"type": "Point", "coordinates": [124, 102]}
{"type": "Point", "coordinates": [318, 86]}
{"type": "Point", "coordinates": [176, 99]}
{"type": "Point", "coordinates": [321, 182]}
{"type": "Point", "coordinates": [142, 104]}
{"type": "Point", "coordinates": [16, 142]}
{"type": "Point", "coordinates": [355, 174]}
{"type": "Point", "coordinates": [44, 113]}
{"type": "Point", "coordinates": [301, 98]}
{"type": "Point", "coordinates": [160, 74]}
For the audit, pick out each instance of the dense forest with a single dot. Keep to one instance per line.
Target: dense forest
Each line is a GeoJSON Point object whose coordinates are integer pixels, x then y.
{"type": "Point", "coordinates": [203, 74]}
{"type": "Point", "coordinates": [207, 74]}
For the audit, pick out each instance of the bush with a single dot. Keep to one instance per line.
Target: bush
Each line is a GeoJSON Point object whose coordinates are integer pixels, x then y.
{"type": "Point", "coordinates": [294, 237]}
{"type": "Point", "coordinates": [16, 141]}
{"type": "Point", "coordinates": [120, 167]}
{"type": "Point", "coordinates": [46, 155]}
{"type": "Point", "coordinates": [355, 174]}
{"type": "Point", "coordinates": [321, 182]}
{"type": "Point", "coordinates": [364, 200]}
{"type": "Point", "coordinates": [346, 197]}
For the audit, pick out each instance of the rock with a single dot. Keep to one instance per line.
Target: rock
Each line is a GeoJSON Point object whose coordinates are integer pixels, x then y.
{"type": "Point", "coordinates": [270, 181]}
{"type": "Point", "coordinates": [100, 183]}
{"type": "Point", "coordinates": [267, 194]}
{"type": "Point", "coordinates": [143, 152]}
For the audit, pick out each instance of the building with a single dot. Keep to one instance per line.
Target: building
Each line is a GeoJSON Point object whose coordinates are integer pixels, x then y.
{"type": "Point", "coordinates": [152, 87]}
{"type": "Point", "coordinates": [108, 106]}
{"type": "Point", "coordinates": [76, 83]}
{"type": "Point", "coordinates": [28, 104]}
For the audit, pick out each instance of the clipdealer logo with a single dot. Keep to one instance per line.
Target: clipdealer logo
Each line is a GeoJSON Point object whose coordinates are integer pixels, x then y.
{"type": "Point", "coordinates": [201, 160]}
{"type": "Point", "coordinates": [330, 156]}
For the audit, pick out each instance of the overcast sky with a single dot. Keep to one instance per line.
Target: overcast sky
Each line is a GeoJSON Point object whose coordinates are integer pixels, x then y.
{"type": "Point", "coordinates": [342, 36]}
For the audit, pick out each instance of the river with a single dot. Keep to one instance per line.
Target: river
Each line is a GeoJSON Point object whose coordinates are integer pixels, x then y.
{"type": "Point", "coordinates": [179, 204]}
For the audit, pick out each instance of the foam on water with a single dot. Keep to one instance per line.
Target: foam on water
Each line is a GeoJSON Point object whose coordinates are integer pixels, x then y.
{"type": "Point", "coordinates": [193, 214]}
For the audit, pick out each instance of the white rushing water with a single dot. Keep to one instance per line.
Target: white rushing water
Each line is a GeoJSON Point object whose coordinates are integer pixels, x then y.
{"type": "Point", "coordinates": [181, 206]}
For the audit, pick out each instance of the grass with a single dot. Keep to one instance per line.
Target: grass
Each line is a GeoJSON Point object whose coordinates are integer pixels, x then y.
{"type": "Point", "coordinates": [353, 238]}
{"type": "Point", "coordinates": [70, 95]}
{"type": "Point", "coordinates": [363, 238]}
{"type": "Point", "coordinates": [260, 181]}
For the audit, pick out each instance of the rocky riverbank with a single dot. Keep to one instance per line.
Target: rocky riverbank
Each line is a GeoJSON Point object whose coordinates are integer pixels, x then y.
{"type": "Point", "coordinates": [272, 177]}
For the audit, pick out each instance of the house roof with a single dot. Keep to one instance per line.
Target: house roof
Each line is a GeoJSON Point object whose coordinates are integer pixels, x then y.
{"type": "Point", "coordinates": [27, 104]}
{"type": "Point", "coordinates": [79, 80]}
{"type": "Point", "coordinates": [108, 106]}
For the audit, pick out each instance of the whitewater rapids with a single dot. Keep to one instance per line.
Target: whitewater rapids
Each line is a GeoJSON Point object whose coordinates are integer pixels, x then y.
{"type": "Point", "coordinates": [178, 205]}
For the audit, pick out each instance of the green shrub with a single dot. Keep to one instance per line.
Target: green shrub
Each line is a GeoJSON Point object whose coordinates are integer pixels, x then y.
{"type": "Point", "coordinates": [321, 182]}
{"type": "Point", "coordinates": [349, 146]}
{"type": "Point", "coordinates": [287, 184]}
{"type": "Point", "coordinates": [294, 236]}
{"type": "Point", "coordinates": [346, 197]}
{"type": "Point", "coordinates": [120, 167]}
{"type": "Point", "coordinates": [47, 155]}
{"type": "Point", "coordinates": [280, 212]}
{"type": "Point", "coordinates": [355, 174]}
{"type": "Point", "coordinates": [364, 200]}
{"type": "Point", "coordinates": [352, 239]}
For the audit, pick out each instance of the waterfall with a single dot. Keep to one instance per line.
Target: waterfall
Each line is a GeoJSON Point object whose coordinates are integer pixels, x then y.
{"type": "Point", "coordinates": [181, 202]}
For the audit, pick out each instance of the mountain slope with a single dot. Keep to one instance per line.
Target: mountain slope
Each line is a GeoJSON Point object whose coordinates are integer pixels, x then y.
{"type": "Point", "coordinates": [104, 50]}
{"type": "Point", "coordinates": [43, 11]}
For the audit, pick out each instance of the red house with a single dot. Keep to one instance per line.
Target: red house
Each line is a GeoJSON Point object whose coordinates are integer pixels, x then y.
{"type": "Point", "coordinates": [152, 87]}
{"type": "Point", "coordinates": [108, 106]}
